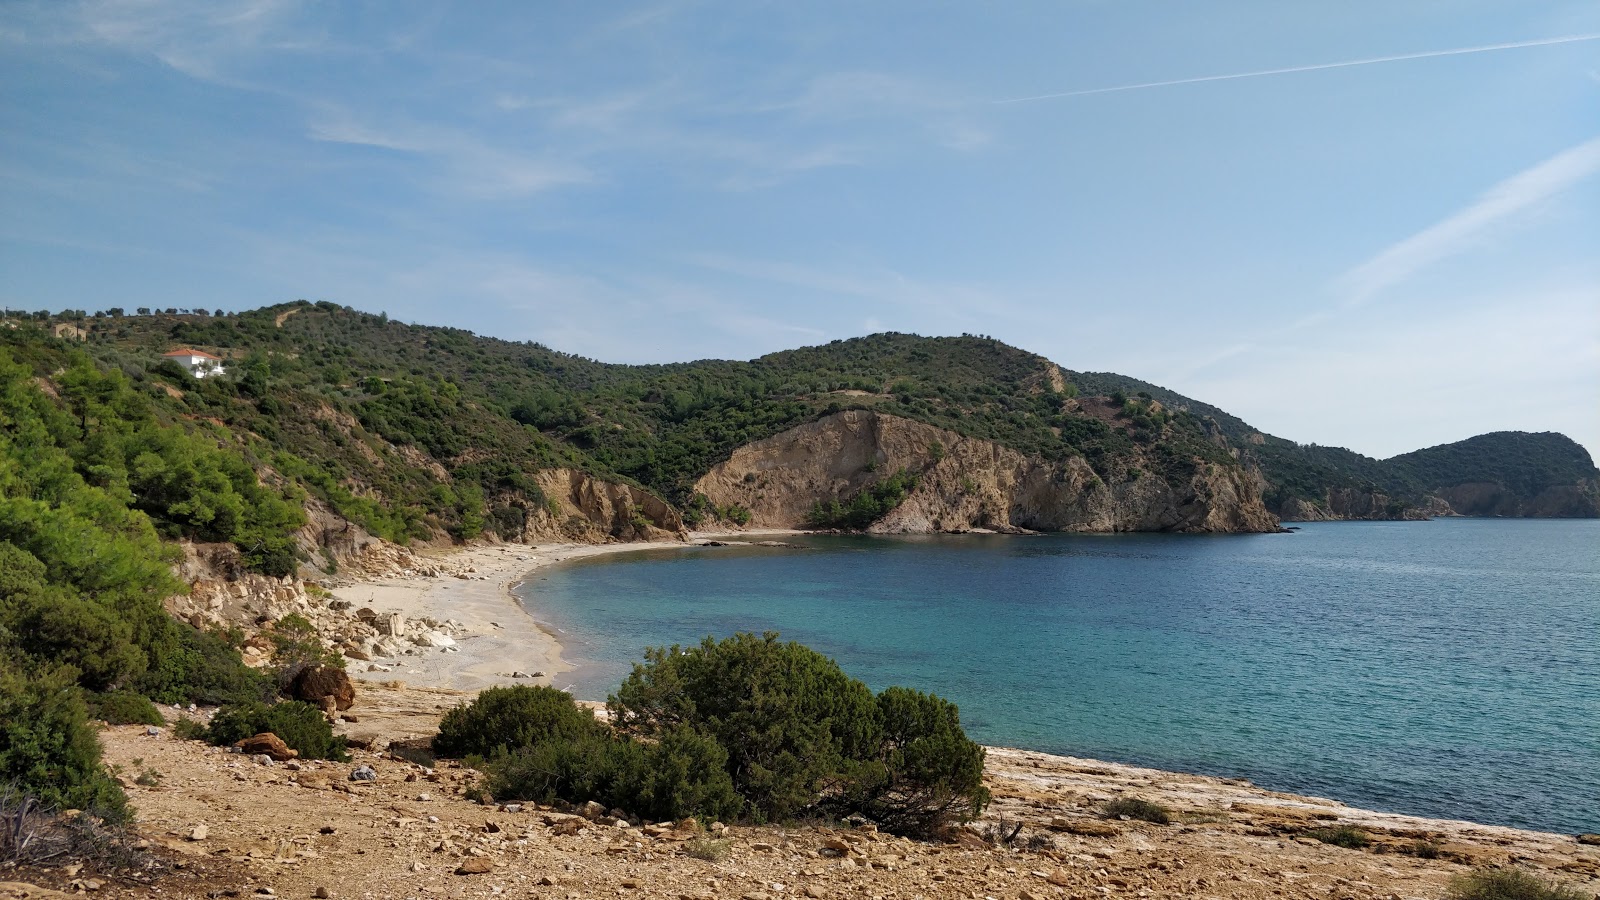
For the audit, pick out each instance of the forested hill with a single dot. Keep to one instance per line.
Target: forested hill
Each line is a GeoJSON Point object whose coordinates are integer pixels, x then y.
{"type": "Point", "coordinates": [415, 431]}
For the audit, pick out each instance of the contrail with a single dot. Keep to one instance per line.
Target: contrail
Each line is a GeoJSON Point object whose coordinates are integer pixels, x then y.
{"type": "Point", "coordinates": [1427, 54]}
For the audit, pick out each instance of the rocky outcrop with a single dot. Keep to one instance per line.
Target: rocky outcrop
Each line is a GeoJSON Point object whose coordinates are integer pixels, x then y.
{"type": "Point", "coordinates": [1354, 504]}
{"type": "Point", "coordinates": [967, 484]}
{"type": "Point", "coordinates": [594, 510]}
{"type": "Point", "coordinates": [1563, 501]}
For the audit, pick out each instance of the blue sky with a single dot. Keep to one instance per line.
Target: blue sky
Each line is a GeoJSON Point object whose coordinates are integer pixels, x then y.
{"type": "Point", "coordinates": [1384, 255]}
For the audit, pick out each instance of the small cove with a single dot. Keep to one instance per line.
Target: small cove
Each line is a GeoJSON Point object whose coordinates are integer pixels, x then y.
{"type": "Point", "coordinates": [1447, 668]}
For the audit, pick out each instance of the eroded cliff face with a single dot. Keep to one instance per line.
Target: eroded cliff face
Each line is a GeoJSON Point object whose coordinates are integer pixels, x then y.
{"type": "Point", "coordinates": [1342, 504]}
{"type": "Point", "coordinates": [969, 484]}
{"type": "Point", "coordinates": [594, 510]}
{"type": "Point", "coordinates": [1565, 501]}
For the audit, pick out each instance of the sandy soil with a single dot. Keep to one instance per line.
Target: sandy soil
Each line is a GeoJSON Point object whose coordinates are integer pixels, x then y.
{"type": "Point", "coordinates": [305, 830]}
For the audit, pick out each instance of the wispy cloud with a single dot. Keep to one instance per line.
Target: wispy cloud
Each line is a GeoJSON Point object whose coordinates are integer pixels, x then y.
{"type": "Point", "coordinates": [1315, 67]}
{"type": "Point", "coordinates": [1465, 228]}
{"type": "Point", "coordinates": [475, 166]}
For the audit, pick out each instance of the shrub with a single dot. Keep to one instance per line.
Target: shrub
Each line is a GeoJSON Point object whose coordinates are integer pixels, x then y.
{"type": "Point", "coordinates": [683, 774]}
{"type": "Point", "coordinates": [576, 769]}
{"type": "Point", "coordinates": [124, 708]}
{"type": "Point", "coordinates": [1507, 884]}
{"type": "Point", "coordinates": [789, 719]}
{"type": "Point", "coordinates": [927, 773]}
{"type": "Point", "coordinates": [1136, 808]}
{"type": "Point", "coordinates": [188, 665]}
{"type": "Point", "coordinates": [48, 752]}
{"type": "Point", "coordinates": [300, 725]}
{"type": "Point", "coordinates": [1347, 836]}
{"type": "Point", "coordinates": [505, 719]}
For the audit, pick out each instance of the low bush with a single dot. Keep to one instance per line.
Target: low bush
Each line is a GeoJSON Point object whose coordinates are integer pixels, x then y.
{"type": "Point", "coordinates": [300, 725]}
{"type": "Point", "coordinates": [802, 738]}
{"type": "Point", "coordinates": [1347, 836]}
{"type": "Point", "coordinates": [1507, 884]}
{"type": "Point", "coordinates": [927, 774]}
{"type": "Point", "coordinates": [124, 708]}
{"type": "Point", "coordinates": [1136, 808]}
{"type": "Point", "coordinates": [747, 727]}
{"type": "Point", "coordinates": [48, 752]}
{"type": "Point", "coordinates": [192, 666]}
{"type": "Point", "coordinates": [504, 719]}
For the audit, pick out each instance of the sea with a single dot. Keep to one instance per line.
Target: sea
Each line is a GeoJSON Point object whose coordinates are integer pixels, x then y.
{"type": "Point", "coordinates": [1448, 668]}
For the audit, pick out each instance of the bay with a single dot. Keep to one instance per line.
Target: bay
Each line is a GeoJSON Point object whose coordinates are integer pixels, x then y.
{"type": "Point", "coordinates": [1447, 668]}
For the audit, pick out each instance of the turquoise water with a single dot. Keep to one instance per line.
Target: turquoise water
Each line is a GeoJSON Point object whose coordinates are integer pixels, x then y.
{"type": "Point", "coordinates": [1447, 668]}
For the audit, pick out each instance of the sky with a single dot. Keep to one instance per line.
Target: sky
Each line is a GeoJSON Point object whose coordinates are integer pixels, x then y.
{"type": "Point", "coordinates": [1365, 224]}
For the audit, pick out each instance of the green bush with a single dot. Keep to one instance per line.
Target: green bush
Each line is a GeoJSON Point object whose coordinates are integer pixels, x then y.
{"type": "Point", "coordinates": [124, 708]}
{"type": "Point", "coordinates": [47, 749]}
{"type": "Point", "coordinates": [574, 768]}
{"type": "Point", "coordinates": [300, 725]}
{"type": "Point", "coordinates": [791, 722]}
{"type": "Point", "coordinates": [1347, 836]}
{"type": "Point", "coordinates": [1507, 884]}
{"type": "Point", "coordinates": [683, 774]}
{"type": "Point", "coordinates": [505, 719]}
{"type": "Point", "coordinates": [1136, 808]}
{"type": "Point", "coordinates": [188, 665]}
{"type": "Point", "coordinates": [927, 774]}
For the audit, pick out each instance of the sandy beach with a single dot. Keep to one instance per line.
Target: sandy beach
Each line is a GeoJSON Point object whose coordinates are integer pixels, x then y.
{"type": "Point", "coordinates": [496, 637]}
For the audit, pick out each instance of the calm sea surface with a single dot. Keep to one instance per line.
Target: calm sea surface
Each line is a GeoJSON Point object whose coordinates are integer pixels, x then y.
{"type": "Point", "coordinates": [1447, 668]}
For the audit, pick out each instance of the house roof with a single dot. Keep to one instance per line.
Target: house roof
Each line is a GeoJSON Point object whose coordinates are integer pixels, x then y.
{"type": "Point", "coordinates": [190, 351]}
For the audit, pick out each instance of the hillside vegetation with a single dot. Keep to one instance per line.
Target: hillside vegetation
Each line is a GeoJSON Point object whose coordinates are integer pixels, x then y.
{"type": "Point", "coordinates": [418, 432]}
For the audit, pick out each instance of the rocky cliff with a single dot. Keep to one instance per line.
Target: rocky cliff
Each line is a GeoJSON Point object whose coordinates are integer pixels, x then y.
{"type": "Point", "coordinates": [969, 484]}
{"type": "Point", "coordinates": [1343, 504]}
{"type": "Point", "coordinates": [591, 509]}
{"type": "Point", "coordinates": [1562, 501]}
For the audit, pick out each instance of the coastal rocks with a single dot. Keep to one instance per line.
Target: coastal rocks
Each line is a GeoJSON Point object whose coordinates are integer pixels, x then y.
{"type": "Point", "coordinates": [596, 511]}
{"type": "Point", "coordinates": [966, 484]}
{"type": "Point", "coordinates": [316, 683]}
{"type": "Point", "coordinates": [1339, 504]}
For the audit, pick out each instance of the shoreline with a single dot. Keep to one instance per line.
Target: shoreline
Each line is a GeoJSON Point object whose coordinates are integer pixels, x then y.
{"type": "Point", "coordinates": [496, 635]}
{"type": "Point", "coordinates": [500, 636]}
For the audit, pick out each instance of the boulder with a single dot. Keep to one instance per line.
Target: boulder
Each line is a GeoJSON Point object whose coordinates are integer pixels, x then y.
{"type": "Point", "coordinates": [317, 682]}
{"type": "Point", "coordinates": [267, 744]}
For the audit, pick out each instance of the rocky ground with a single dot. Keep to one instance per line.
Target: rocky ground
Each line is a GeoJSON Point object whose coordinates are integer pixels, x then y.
{"type": "Point", "coordinates": [225, 825]}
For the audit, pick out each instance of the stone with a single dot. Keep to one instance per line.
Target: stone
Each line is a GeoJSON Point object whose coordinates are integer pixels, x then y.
{"type": "Point", "coordinates": [392, 625]}
{"type": "Point", "coordinates": [199, 832]}
{"type": "Point", "coordinates": [363, 773]}
{"type": "Point", "coordinates": [476, 865]}
{"type": "Point", "coordinates": [321, 893]}
{"type": "Point", "coordinates": [315, 683]}
{"type": "Point", "coordinates": [592, 811]}
{"type": "Point", "coordinates": [267, 744]}
{"type": "Point", "coordinates": [1059, 878]}
{"type": "Point", "coordinates": [152, 731]}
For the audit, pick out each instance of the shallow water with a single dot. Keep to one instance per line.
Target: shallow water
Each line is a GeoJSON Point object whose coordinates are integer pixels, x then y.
{"type": "Point", "coordinates": [1447, 668]}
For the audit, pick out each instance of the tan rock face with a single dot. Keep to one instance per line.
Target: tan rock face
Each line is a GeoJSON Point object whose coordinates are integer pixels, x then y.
{"type": "Point", "coordinates": [968, 484]}
{"type": "Point", "coordinates": [597, 510]}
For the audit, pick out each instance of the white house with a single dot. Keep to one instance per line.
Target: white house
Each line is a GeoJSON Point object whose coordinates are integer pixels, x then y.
{"type": "Point", "coordinates": [199, 362]}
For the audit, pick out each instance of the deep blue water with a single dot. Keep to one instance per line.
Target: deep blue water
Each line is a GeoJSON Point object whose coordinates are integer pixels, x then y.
{"type": "Point", "coordinates": [1447, 668]}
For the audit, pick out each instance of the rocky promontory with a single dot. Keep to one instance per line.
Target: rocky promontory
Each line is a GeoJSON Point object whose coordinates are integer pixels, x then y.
{"type": "Point", "coordinates": [967, 484]}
